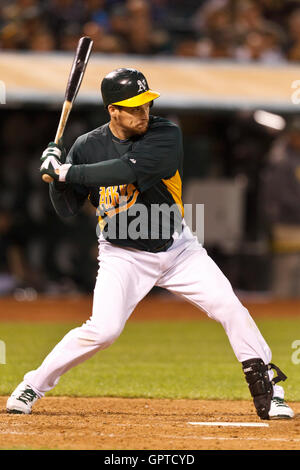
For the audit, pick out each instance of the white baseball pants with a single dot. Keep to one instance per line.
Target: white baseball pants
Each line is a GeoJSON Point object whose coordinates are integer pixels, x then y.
{"type": "Point", "coordinates": [124, 278]}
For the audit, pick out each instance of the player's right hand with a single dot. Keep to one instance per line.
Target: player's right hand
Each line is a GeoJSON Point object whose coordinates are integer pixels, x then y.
{"type": "Point", "coordinates": [53, 167]}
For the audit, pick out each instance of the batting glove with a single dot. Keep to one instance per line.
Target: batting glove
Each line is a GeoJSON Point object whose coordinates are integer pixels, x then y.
{"type": "Point", "coordinates": [52, 159]}
{"type": "Point", "coordinates": [52, 167]}
{"type": "Point", "coordinates": [56, 150]}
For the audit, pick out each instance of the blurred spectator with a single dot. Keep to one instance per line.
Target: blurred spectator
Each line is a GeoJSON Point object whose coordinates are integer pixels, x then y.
{"type": "Point", "coordinates": [132, 23]}
{"type": "Point", "coordinates": [248, 16]}
{"type": "Point", "coordinates": [96, 32]}
{"type": "Point", "coordinates": [188, 47]}
{"type": "Point", "coordinates": [293, 50]}
{"type": "Point", "coordinates": [213, 25]}
{"type": "Point", "coordinates": [212, 17]}
{"type": "Point", "coordinates": [69, 40]}
{"type": "Point", "coordinates": [119, 21]}
{"type": "Point", "coordinates": [103, 42]}
{"type": "Point", "coordinates": [139, 27]}
{"type": "Point", "coordinates": [261, 46]}
{"type": "Point", "coordinates": [21, 20]}
{"type": "Point", "coordinates": [95, 11]}
{"type": "Point", "coordinates": [41, 41]}
{"type": "Point", "coordinates": [281, 196]}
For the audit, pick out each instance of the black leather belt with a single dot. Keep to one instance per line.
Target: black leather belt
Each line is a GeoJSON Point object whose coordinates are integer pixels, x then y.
{"type": "Point", "coordinates": [164, 247]}
{"type": "Point", "coordinates": [167, 244]}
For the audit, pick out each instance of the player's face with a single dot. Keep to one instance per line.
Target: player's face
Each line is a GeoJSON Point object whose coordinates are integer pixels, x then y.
{"type": "Point", "coordinates": [131, 121]}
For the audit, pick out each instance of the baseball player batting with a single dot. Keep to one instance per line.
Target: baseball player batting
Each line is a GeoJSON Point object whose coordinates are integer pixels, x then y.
{"type": "Point", "coordinates": [127, 168]}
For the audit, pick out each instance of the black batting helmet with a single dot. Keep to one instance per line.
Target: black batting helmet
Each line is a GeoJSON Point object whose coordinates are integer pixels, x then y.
{"type": "Point", "coordinates": [126, 87]}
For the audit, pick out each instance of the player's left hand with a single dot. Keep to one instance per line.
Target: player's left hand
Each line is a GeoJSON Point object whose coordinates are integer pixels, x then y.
{"type": "Point", "coordinates": [52, 159]}
{"type": "Point", "coordinates": [51, 166]}
{"type": "Point", "coordinates": [56, 150]}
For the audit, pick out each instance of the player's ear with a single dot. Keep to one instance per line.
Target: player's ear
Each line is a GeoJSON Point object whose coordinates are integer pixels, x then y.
{"type": "Point", "coordinates": [112, 109]}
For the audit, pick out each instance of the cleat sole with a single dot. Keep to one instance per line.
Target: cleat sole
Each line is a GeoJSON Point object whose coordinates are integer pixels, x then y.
{"type": "Point", "coordinates": [16, 412]}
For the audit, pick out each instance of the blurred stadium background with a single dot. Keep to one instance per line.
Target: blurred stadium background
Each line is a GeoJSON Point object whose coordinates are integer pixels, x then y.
{"type": "Point", "coordinates": [227, 71]}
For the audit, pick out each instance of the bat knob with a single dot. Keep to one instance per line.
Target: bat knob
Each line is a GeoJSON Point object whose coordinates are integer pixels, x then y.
{"type": "Point", "coordinates": [47, 178]}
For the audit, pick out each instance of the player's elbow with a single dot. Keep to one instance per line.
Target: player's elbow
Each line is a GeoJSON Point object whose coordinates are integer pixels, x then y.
{"type": "Point", "coordinates": [64, 202]}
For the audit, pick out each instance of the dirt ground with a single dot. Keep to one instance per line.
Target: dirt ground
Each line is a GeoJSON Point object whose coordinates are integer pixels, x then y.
{"type": "Point", "coordinates": [141, 424]}
{"type": "Point", "coordinates": [158, 307]}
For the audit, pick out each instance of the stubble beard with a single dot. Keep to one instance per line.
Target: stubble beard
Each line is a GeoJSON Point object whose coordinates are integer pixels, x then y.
{"type": "Point", "coordinates": [134, 129]}
{"type": "Point", "coordinates": [141, 129]}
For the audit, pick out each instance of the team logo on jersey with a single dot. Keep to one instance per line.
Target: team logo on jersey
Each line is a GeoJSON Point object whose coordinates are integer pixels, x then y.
{"type": "Point", "coordinates": [116, 199]}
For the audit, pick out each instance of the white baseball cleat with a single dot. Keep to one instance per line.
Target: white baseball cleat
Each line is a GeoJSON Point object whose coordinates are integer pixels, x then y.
{"type": "Point", "coordinates": [279, 409]}
{"type": "Point", "coordinates": [21, 400]}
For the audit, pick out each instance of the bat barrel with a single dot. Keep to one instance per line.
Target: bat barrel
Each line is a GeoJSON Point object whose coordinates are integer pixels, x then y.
{"type": "Point", "coordinates": [78, 68]}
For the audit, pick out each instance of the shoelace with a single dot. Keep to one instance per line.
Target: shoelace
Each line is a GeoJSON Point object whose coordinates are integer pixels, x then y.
{"type": "Point", "coordinates": [27, 395]}
{"type": "Point", "coordinates": [279, 401]}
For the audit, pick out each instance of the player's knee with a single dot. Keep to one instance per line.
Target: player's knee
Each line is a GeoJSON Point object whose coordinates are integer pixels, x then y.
{"type": "Point", "coordinates": [100, 337]}
{"type": "Point", "coordinates": [109, 336]}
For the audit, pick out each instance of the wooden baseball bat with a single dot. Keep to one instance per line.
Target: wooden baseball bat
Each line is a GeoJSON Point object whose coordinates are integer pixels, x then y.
{"type": "Point", "coordinates": [80, 61]}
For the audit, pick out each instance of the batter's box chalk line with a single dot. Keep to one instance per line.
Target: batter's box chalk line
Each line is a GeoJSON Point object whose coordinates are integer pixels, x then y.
{"type": "Point", "coordinates": [227, 423]}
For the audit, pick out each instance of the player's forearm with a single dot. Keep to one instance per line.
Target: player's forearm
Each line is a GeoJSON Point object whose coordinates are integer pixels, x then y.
{"type": "Point", "coordinates": [109, 173]}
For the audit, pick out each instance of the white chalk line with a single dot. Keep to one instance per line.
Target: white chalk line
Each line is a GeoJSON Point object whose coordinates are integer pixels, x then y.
{"type": "Point", "coordinates": [271, 439]}
{"type": "Point", "coordinates": [19, 432]}
{"type": "Point", "coordinates": [231, 423]}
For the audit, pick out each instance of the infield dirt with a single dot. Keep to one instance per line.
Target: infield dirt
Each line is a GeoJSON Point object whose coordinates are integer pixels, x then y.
{"type": "Point", "coordinates": [143, 424]}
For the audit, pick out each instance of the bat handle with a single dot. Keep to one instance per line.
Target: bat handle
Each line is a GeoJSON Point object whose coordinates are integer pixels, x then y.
{"type": "Point", "coordinates": [47, 178]}
{"type": "Point", "coordinates": [67, 106]}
